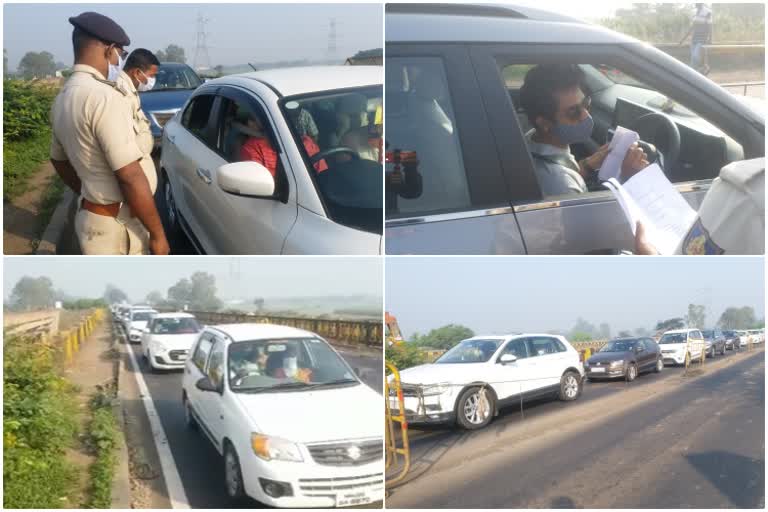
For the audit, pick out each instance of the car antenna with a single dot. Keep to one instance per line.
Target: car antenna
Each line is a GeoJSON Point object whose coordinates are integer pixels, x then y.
{"type": "Point", "coordinates": [252, 67]}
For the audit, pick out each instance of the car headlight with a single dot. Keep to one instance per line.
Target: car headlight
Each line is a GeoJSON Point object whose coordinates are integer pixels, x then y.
{"type": "Point", "coordinates": [275, 448]}
{"type": "Point", "coordinates": [617, 363]}
{"type": "Point", "coordinates": [435, 390]}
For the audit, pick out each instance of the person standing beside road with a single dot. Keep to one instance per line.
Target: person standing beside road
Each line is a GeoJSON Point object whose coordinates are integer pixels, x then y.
{"type": "Point", "coordinates": [96, 148]}
{"type": "Point", "coordinates": [138, 75]}
{"type": "Point", "coordinates": [701, 34]}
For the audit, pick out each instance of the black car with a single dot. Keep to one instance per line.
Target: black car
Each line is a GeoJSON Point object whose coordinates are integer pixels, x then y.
{"type": "Point", "coordinates": [624, 357]}
{"type": "Point", "coordinates": [731, 340]}
{"type": "Point", "coordinates": [715, 342]}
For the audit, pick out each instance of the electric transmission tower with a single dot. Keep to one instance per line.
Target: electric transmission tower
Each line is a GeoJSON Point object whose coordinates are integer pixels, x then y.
{"type": "Point", "coordinates": [331, 53]}
{"type": "Point", "coordinates": [201, 59]}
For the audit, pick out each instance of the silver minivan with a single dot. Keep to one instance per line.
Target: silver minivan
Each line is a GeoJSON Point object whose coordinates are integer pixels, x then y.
{"type": "Point", "coordinates": [455, 131]}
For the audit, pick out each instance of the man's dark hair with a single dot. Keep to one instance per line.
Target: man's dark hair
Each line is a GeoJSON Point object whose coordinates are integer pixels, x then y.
{"type": "Point", "coordinates": [142, 59]}
{"type": "Point", "coordinates": [81, 40]}
{"type": "Point", "coordinates": [542, 82]}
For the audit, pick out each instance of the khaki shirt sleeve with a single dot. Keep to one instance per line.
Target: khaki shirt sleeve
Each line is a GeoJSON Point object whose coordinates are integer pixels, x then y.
{"type": "Point", "coordinates": [57, 150]}
{"type": "Point", "coordinates": [113, 129]}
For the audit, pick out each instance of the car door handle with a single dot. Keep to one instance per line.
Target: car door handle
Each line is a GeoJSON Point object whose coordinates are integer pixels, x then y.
{"type": "Point", "coordinates": [204, 175]}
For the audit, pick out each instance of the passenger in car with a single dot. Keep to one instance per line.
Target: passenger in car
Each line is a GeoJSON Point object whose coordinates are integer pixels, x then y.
{"type": "Point", "coordinates": [258, 147]}
{"type": "Point", "coordinates": [559, 113]}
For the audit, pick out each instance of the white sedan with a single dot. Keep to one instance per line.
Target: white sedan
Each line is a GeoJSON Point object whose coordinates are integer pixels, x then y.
{"type": "Point", "coordinates": [166, 341]}
{"type": "Point", "coordinates": [284, 161]}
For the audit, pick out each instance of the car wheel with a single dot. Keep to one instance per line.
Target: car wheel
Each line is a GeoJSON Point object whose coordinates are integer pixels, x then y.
{"type": "Point", "coordinates": [631, 372]}
{"type": "Point", "coordinates": [722, 351]}
{"type": "Point", "coordinates": [475, 408]}
{"type": "Point", "coordinates": [189, 417]}
{"type": "Point", "coordinates": [172, 213]}
{"type": "Point", "coordinates": [570, 386]}
{"type": "Point", "coordinates": [233, 476]}
{"type": "Point", "coordinates": [659, 366]}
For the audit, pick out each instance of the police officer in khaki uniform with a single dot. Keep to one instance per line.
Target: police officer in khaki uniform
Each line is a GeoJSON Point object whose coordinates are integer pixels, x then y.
{"type": "Point", "coordinates": [731, 219]}
{"type": "Point", "coordinates": [138, 75]}
{"type": "Point", "coordinates": [97, 147]}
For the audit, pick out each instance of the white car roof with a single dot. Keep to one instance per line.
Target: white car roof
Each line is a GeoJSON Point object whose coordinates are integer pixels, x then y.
{"type": "Point", "coordinates": [309, 79]}
{"type": "Point", "coordinates": [174, 315]}
{"type": "Point", "coordinates": [679, 331]}
{"type": "Point", "coordinates": [505, 337]}
{"type": "Point", "coordinates": [244, 332]}
{"type": "Point", "coordinates": [485, 23]}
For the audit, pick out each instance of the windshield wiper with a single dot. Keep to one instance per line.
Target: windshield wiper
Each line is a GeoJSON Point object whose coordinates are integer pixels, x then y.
{"type": "Point", "coordinates": [276, 387]}
{"type": "Point", "coordinates": [336, 382]}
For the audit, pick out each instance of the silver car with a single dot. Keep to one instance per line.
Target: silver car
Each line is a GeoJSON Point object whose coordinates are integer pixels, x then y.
{"type": "Point", "coordinates": [453, 77]}
{"type": "Point", "coordinates": [284, 161]}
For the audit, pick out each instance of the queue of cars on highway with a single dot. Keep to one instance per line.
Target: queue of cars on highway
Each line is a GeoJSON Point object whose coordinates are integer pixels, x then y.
{"type": "Point", "coordinates": [294, 423]}
{"type": "Point", "coordinates": [470, 383]}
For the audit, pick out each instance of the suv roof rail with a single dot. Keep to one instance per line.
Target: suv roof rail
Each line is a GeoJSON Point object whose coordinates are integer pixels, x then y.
{"type": "Point", "coordinates": [454, 10]}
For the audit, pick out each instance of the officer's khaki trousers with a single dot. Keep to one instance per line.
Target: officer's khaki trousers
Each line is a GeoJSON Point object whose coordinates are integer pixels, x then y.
{"type": "Point", "coordinates": [99, 234]}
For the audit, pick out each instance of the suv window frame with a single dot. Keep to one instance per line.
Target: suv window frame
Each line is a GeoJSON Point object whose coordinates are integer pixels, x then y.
{"type": "Point", "coordinates": [553, 340]}
{"type": "Point", "coordinates": [485, 181]}
{"type": "Point", "coordinates": [509, 343]}
{"type": "Point", "coordinates": [211, 114]}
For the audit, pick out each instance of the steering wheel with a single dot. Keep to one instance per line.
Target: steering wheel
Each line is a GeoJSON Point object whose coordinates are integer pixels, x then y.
{"type": "Point", "coordinates": [334, 151]}
{"type": "Point", "coordinates": [660, 130]}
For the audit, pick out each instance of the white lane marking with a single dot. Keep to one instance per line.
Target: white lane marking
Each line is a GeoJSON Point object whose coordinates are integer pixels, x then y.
{"type": "Point", "coordinates": [176, 493]}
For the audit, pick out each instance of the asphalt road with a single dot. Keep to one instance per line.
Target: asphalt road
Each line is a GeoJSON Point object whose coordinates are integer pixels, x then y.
{"type": "Point", "coordinates": [199, 465]}
{"type": "Point", "coordinates": [663, 441]}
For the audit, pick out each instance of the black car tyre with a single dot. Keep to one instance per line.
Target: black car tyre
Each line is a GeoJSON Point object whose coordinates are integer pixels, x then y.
{"type": "Point", "coordinates": [722, 350]}
{"type": "Point", "coordinates": [659, 365]}
{"type": "Point", "coordinates": [233, 476]}
{"type": "Point", "coordinates": [570, 386]}
{"type": "Point", "coordinates": [631, 372]}
{"type": "Point", "coordinates": [189, 417]}
{"type": "Point", "coordinates": [475, 408]}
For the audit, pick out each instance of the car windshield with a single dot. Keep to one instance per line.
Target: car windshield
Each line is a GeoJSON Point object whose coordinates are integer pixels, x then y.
{"type": "Point", "coordinates": [470, 351]}
{"type": "Point", "coordinates": [175, 77]}
{"type": "Point", "coordinates": [142, 316]}
{"type": "Point", "coordinates": [340, 136]}
{"type": "Point", "coordinates": [177, 325]}
{"type": "Point", "coordinates": [708, 335]}
{"type": "Point", "coordinates": [619, 346]}
{"type": "Point", "coordinates": [282, 364]}
{"type": "Point", "coordinates": [679, 337]}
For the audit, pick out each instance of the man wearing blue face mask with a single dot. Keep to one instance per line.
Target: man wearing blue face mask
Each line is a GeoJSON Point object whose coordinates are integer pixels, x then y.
{"type": "Point", "coordinates": [557, 109]}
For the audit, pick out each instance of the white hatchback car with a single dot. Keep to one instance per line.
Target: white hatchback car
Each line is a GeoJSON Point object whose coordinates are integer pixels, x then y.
{"type": "Point", "coordinates": [167, 339]}
{"type": "Point", "coordinates": [473, 380]}
{"type": "Point", "coordinates": [284, 161]}
{"type": "Point", "coordinates": [679, 344]}
{"type": "Point", "coordinates": [136, 321]}
{"type": "Point", "coordinates": [295, 425]}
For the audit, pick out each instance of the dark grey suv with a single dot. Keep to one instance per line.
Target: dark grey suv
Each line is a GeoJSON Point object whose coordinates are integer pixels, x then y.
{"type": "Point", "coordinates": [715, 342]}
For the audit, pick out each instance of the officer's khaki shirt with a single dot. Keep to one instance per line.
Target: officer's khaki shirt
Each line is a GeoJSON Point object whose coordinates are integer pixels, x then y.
{"type": "Point", "coordinates": [731, 219]}
{"type": "Point", "coordinates": [96, 131]}
{"type": "Point", "coordinates": [146, 141]}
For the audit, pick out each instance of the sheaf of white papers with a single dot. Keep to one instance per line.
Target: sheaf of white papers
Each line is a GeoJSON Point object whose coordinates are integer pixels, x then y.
{"type": "Point", "coordinates": [650, 198]}
{"type": "Point", "coordinates": [617, 150]}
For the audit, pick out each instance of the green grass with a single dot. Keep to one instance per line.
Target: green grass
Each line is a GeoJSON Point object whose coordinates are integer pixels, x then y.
{"type": "Point", "coordinates": [50, 200]}
{"type": "Point", "coordinates": [39, 426]}
{"type": "Point", "coordinates": [103, 436]}
{"type": "Point", "coordinates": [21, 159]}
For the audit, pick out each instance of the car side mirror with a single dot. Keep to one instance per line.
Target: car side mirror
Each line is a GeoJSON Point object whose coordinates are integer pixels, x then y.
{"type": "Point", "coordinates": [507, 358]}
{"type": "Point", "coordinates": [246, 179]}
{"type": "Point", "coordinates": [205, 384]}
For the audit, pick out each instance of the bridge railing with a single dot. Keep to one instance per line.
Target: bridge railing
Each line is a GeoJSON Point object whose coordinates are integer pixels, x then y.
{"type": "Point", "coordinates": [356, 332]}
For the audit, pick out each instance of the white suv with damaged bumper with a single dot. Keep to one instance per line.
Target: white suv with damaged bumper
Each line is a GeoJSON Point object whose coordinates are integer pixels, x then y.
{"type": "Point", "coordinates": [472, 381]}
{"type": "Point", "coordinates": [295, 425]}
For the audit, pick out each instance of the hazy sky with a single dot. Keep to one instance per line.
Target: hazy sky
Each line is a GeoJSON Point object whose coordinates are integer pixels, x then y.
{"type": "Point", "coordinates": [237, 33]}
{"type": "Point", "coordinates": [268, 277]}
{"type": "Point", "coordinates": [497, 295]}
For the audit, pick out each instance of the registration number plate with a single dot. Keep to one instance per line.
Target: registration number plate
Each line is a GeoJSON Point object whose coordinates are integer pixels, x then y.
{"type": "Point", "coordinates": [597, 370]}
{"type": "Point", "coordinates": [353, 498]}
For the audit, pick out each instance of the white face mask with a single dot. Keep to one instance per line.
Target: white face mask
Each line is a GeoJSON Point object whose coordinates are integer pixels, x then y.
{"type": "Point", "coordinates": [290, 366]}
{"type": "Point", "coordinates": [114, 70]}
{"type": "Point", "coordinates": [144, 87]}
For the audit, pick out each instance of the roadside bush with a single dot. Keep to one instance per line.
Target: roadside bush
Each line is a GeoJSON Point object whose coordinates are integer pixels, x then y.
{"type": "Point", "coordinates": [405, 355]}
{"type": "Point", "coordinates": [103, 436]}
{"type": "Point", "coordinates": [38, 426]}
{"type": "Point", "coordinates": [26, 108]}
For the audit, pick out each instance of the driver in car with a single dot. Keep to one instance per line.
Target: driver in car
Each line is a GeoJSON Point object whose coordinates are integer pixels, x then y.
{"type": "Point", "coordinates": [559, 114]}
